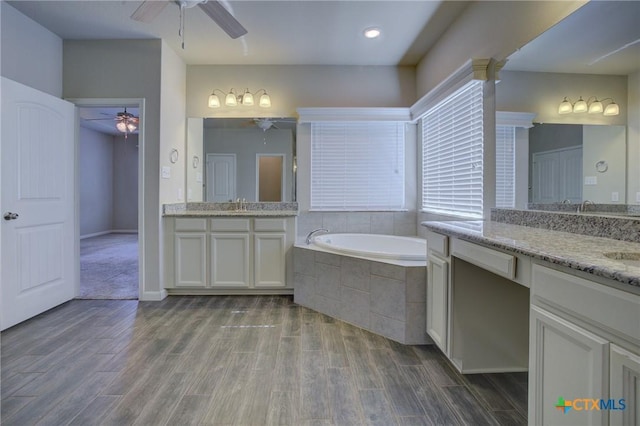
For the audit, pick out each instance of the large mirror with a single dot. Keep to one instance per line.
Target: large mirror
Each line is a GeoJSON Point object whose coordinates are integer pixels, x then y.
{"type": "Point", "coordinates": [576, 162]}
{"type": "Point", "coordinates": [576, 156]}
{"type": "Point", "coordinates": [241, 158]}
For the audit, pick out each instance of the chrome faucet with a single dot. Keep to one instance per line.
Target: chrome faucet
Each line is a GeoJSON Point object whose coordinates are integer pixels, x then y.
{"type": "Point", "coordinates": [583, 207]}
{"type": "Point", "coordinates": [312, 233]}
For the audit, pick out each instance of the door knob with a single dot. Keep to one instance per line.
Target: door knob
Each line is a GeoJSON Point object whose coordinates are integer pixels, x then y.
{"type": "Point", "coordinates": [10, 216]}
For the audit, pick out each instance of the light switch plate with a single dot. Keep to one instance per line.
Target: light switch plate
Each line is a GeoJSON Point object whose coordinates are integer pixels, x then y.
{"type": "Point", "coordinates": [637, 197]}
{"type": "Point", "coordinates": [615, 196]}
{"type": "Point", "coordinates": [199, 178]}
{"type": "Point", "coordinates": [180, 194]}
{"type": "Point", "coordinates": [166, 172]}
{"type": "Point", "coordinates": [591, 180]}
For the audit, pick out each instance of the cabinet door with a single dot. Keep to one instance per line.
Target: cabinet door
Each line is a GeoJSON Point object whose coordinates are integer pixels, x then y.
{"type": "Point", "coordinates": [230, 260]}
{"type": "Point", "coordinates": [625, 385]}
{"type": "Point", "coordinates": [269, 255]}
{"type": "Point", "coordinates": [567, 364]}
{"type": "Point", "coordinates": [190, 259]}
{"type": "Point", "coordinates": [437, 301]}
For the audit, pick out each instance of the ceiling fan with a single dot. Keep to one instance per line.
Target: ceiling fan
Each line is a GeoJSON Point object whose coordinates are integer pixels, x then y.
{"type": "Point", "coordinates": [268, 123]}
{"type": "Point", "coordinates": [149, 9]}
{"type": "Point", "coordinates": [125, 121]}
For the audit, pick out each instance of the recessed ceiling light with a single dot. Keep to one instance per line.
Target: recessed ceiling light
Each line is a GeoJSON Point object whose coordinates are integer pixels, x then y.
{"type": "Point", "coordinates": [372, 32]}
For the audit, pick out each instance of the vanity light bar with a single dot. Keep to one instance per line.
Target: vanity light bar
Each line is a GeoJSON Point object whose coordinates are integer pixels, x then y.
{"type": "Point", "coordinates": [232, 99]}
{"type": "Point", "coordinates": [591, 106]}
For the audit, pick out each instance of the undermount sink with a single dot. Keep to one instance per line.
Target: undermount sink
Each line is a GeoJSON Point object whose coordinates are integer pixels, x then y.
{"type": "Point", "coordinates": [631, 258]}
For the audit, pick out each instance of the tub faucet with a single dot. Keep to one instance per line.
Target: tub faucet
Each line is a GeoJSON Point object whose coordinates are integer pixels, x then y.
{"type": "Point", "coordinates": [312, 233]}
{"type": "Point", "coordinates": [583, 207]}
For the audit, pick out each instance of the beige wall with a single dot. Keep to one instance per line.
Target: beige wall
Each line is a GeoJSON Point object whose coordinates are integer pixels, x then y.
{"type": "Point", "coordinates": [295, 86]}
{"type": "Point", "coordinates": [172, 124]}
{"type": "Point", "coordinates": [30, 54]}
{"type": "Point", "coordinates": [127, 69]}
{"type": "Point", "coordinates": [488, 29]}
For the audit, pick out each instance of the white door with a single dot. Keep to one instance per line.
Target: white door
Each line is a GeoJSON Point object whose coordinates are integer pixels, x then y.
{"type": "Point", "coordinates": [38, 246]}
{"type": "Point", "coordinates": [221, 177]}
{"type": "Point", "coordinates": [557, 176]}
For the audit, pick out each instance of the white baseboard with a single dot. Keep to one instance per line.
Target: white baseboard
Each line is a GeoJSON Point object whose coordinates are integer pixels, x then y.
{"type": "Point", "coordinates": [95, 234]}
{"type": "Point", "coordinates": [111, 231]}
{"type": "Point", "coordinates": [153, 296]}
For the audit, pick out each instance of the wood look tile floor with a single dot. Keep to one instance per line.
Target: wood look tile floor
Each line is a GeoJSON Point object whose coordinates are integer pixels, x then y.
{"type": "Point", "coordinates": [233, 360]}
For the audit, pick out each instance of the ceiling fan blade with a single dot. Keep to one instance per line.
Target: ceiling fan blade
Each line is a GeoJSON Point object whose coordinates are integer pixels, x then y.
{"type": "Point", "coordinates": [148, 10]}
{"type": "Point", "coordinates": [223, 18]}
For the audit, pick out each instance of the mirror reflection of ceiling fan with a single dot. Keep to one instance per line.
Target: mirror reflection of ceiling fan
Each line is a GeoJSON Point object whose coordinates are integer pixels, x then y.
{"type": "Point", "coordinates": [268, 123]}
{"type": "Point", "coordinates": [149, 9]}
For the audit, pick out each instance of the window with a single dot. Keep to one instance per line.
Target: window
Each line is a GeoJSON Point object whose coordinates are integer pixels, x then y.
{"type": "Point", "coordinates": [505, 166]}
{"type": "Point", "coordinates": [357, 166]}
{"type": "Point", "coordinates": [452, 139]}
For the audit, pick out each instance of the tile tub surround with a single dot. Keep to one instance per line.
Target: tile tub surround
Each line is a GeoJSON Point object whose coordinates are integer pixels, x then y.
{"type": "Point", "coordinates": [616, 227]}
{"type": "Point", "coordinates": [389, 223]}
{"type": "Point", "coordinates": [380, 297]}
{"type": "Point", "coordinates": [580, 252]}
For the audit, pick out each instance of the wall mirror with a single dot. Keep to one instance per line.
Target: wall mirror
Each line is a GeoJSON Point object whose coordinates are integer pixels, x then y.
{"type": "Point", "coordinates": [568, 60]}
{"type": "Point", "coordinates": [575, 162]}
{"type": "Point", "coordinates": [245, 158]}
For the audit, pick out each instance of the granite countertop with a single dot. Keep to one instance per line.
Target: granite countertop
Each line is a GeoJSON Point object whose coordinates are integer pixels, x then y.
{"type": "Point", "coordinates": [232, 213]}
{"type": "Point", "coordinates": [580, 252]}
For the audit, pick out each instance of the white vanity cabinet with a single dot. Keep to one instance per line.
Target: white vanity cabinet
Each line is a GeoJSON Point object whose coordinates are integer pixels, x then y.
{"type": "Point", "coordinates": [190, 243]}
{"type": "Point", "coordinates": [270, 242]}
{"type": "Point", "coordinates": [584, 344]}
{"type": "Point", "coordinates": [438, 289]}
{"type": "Point", "coordinates": [229, 255]}
{"type": "Point", "coordinates": [624, 384]}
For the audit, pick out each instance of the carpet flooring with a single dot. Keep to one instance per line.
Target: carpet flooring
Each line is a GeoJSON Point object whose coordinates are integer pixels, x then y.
{"type": "Point", "coordinates": [109, 267]}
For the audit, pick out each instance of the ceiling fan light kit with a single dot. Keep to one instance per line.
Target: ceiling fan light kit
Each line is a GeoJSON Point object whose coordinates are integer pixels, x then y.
{"type": "Point", "coordinates": [232, 99]}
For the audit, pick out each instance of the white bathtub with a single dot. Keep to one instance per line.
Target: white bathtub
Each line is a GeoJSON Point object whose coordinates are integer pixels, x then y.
{"type": "Point", "coordinates": [374, 246]}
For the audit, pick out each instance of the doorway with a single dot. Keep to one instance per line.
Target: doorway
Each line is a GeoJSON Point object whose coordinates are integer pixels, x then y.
{"type": "Point", "coordinates": [110, 198]}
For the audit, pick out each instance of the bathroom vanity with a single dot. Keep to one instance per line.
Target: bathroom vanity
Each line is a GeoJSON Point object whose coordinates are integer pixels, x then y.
{"type": "Point", "coordinates": [229, 251]}
{"type": "Point", "coordinates": [564, 306]}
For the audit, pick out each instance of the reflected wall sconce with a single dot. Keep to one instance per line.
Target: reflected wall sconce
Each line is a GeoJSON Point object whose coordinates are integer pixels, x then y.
{"type": "Point", "coordinates": [590, 106]}
{"type": "Point", "coordinates": [232, 99]}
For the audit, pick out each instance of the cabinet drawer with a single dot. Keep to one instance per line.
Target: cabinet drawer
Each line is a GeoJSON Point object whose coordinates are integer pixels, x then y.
{"type": "Point", "coordinates": [492, 260]}
{"type": "Point", "coordinates": [270, 225]}
{"type": "Point", "coordinates": [232, 225]}
{"type": "Point", "coordinates": [191, 224]}
{"type": "Point", "coordinates": [614, 309]}
{"type": "Point", "coordinates": [438, 243]}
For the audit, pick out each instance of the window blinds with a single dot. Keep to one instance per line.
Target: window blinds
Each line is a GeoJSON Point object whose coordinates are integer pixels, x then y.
{"type": "Point", "coordinates": [357, 166]}
{"type": "Point", "coordinates": [505, 166]}
{"type": "Point", "coordinates": [452, 157]}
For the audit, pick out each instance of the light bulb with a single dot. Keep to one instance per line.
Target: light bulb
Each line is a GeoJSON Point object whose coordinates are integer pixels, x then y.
{"type": "Point", "coordinates": [565, 107]}
{"type": "Point", "coordinates": [595, 107]}
{"type": "Point", "coordinates": [247, 98]}
{"type": "Point", "coordinates": [265, 101]}
{"type": "Point", "coordinates": [580, 106]}
{"type": "Point", "coordinates": [214, 101]}
{"type": "Point", "coordinates": [230, 99]}
{"type": "Point", "coordinates": [612, 109]}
